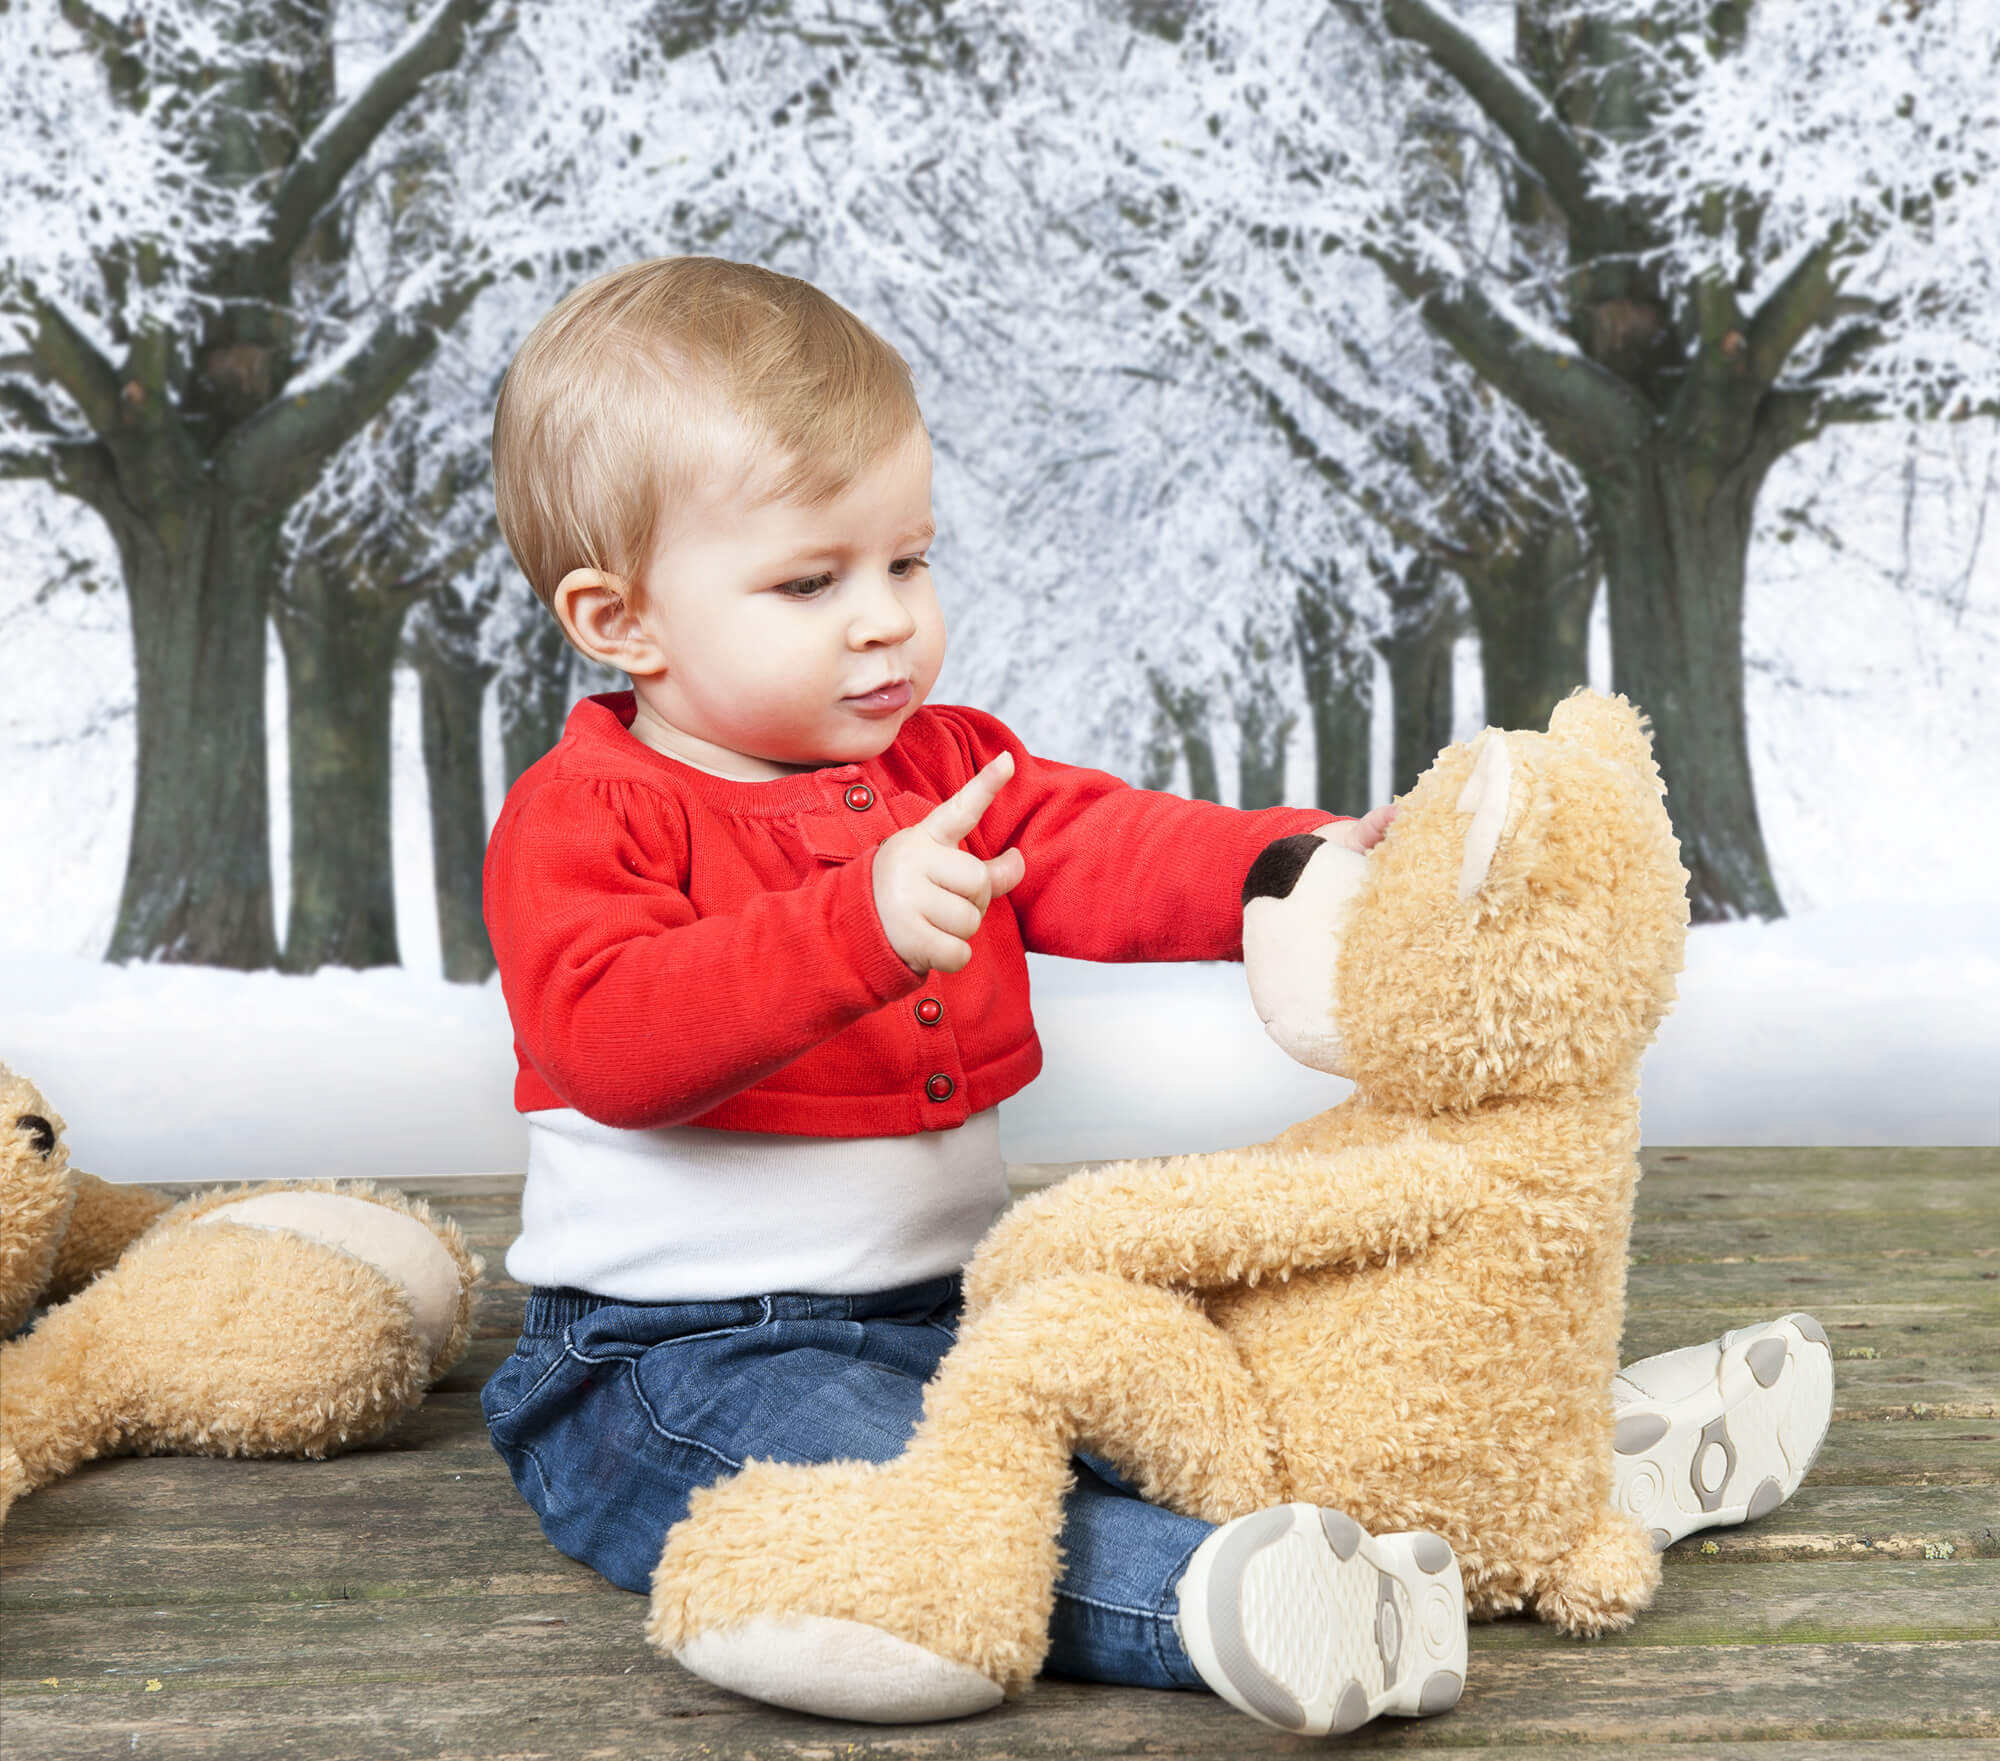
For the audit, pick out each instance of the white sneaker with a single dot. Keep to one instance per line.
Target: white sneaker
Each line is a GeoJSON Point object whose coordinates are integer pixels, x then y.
{"type": "Point", "coordinates": [1722, 1432]}
{"type": "Point", "coordinates": [1301, 1618]}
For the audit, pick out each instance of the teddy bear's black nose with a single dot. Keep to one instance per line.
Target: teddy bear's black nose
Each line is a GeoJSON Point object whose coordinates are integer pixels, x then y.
{"type": "Point", "coordinates": [1278, 867]}
{"type": "Point", "coordinates": [40, 1129]}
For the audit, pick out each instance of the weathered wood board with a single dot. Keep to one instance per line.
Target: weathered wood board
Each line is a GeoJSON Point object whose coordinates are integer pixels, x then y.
{"type": "Point", "coordinates": [401, 1601]}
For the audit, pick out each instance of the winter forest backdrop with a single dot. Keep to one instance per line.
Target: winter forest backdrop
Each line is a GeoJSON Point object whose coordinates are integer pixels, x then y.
{"type": "Point", "coordinates": [1311, 382]}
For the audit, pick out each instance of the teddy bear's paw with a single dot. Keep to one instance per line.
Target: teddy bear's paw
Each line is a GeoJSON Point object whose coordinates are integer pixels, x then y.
{"type": "Point", "coordinates": [958, 1564]}
{"type": "Point", "coordinates": [13, 1480]}
{"type": "Point", "coordinates": [1608, 1574]}
{"type": "Point", "coordinates": [405, 1250]}
{"type": "Point", "coordinates": [1301, 1618]}
{"type": "Point", "coordinates": [1722, 1432]}
{"type": "Point", "coordinates": [837, 1669]}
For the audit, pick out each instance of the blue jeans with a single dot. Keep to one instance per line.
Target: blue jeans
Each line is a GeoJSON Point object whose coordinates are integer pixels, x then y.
{"type": "Point", "coordinates": [610, 1413]}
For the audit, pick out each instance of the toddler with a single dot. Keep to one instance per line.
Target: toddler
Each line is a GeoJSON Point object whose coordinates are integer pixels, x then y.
{"type": "Point", "coordinates": [761, 924]}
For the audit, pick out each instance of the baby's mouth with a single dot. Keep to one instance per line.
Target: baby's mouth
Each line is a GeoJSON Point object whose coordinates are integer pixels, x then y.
{"type": "Point", "coordinates": [890, 696]}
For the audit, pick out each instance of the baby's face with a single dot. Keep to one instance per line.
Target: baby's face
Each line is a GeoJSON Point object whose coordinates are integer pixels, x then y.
{"type": "Point", "coordinates": [780, 625]}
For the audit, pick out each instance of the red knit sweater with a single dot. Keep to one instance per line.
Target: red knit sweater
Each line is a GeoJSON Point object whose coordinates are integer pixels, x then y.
{"type": "Point", "coordinates": [678, 948]}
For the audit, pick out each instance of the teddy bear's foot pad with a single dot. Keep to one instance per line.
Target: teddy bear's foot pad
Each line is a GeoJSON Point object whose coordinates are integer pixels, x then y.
{"type": "Point", "coordinates": [1722, 1432]}
{"type": "Point", "coordinates": [837, 1669]}
{"type": "Point", "coordinates": [1301, 1618]}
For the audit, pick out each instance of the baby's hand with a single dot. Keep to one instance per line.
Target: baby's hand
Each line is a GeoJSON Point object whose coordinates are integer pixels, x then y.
{"type": "Point", "coordinates": [1360, 834]}
{"type": "Point", "coordinates": [930, 894]}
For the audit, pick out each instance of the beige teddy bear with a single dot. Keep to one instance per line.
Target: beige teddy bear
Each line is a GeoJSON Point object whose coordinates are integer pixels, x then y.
{"type": "Point", "coordinates": [1406, 1310]}
{"type": "Point", "coordinates": [289, 1318]}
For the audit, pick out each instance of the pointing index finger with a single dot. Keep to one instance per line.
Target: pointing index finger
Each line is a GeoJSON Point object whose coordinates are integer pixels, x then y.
{"type": "Point", "coordinates": [954, 817]}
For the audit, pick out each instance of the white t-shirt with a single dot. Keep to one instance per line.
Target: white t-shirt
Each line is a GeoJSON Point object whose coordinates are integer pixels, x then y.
{"type": "Point", "coordinates": [689, 1214]}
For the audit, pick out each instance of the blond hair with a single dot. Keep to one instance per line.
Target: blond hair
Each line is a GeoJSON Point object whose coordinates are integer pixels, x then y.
{"type": "Point", "coordinates": [649, 381]}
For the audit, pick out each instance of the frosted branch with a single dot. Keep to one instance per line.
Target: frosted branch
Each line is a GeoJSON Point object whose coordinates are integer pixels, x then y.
{"type": "Point", "coordinates": [1585, 409]}
{"type": "Point", "coordinates": [1527, 119]}
{"type": "Point", "coordinates": [65, 352]}
{"type": "Point", "coordinates": [278, 451]}
{"type": "Point", "coordinates": [334, 148]}
{"type": "Point", "coordinates": [1798, 300]}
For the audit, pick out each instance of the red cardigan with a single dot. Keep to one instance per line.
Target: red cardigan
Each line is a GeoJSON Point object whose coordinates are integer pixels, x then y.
{"type": "Point", "coordinates": [678, 948]}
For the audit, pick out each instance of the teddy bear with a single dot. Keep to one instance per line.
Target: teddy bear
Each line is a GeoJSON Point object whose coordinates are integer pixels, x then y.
{"type": "Point", "coordinates": [284, 1318]}
{"type": "Point", "coordinates": [1398, 1318]}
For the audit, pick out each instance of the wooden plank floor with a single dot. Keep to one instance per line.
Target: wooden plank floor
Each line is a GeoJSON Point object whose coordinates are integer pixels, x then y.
{"type": "Point", "coordinates": [401, 1601]}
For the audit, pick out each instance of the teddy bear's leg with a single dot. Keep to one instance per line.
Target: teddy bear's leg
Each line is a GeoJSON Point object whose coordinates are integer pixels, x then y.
{"type": "Point", "coordinates": [1608, 1573]}
{"type": "Point", "coordinates": [949, 1552]}
{"type": "Point", "coordinates": [218, 1337]}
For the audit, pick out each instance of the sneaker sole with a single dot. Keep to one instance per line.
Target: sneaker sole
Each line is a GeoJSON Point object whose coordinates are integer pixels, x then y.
{"type": "Point", "coordinates": [1732, 1451]}
{"type": "Point", "coordinates": [1301, 1618]}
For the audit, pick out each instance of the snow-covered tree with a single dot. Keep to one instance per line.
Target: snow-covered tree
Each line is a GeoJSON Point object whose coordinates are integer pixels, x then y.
{"type": "Point", "coordinates": [1748, 222]}
{"type": "Point", "coordinates": [226, 248]}
{"type": "Point", "coordinates": [1679, 239]}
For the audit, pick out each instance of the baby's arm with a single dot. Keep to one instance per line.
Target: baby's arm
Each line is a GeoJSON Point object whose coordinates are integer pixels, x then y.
{"type": "Point", "coordinates": [1233, 1217]}
{"type": "Point", "coordinates": [1118, 873]}
{"type": "Point", "coordinates": [640, 1012]}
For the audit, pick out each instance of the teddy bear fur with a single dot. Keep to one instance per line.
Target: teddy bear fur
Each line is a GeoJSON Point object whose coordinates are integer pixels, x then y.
{"type": "Point", "coordinates": [194, 1339]}
{"type": "Point", "coordinates": [63, 1226]}
{"type": "Point", "coordinates": [1407, 1307]}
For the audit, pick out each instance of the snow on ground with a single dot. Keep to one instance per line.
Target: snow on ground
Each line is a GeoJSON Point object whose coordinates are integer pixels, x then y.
{"type": "Point", "coordinates": [1868, 1026]}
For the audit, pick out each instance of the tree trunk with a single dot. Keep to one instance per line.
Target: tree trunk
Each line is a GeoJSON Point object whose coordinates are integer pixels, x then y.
{"type": "Point", "coordinates": [1674, 553]}
{"type": "Point", "coordinates": [534, 695]}
{"type": "Point", "coordinates": [1340, 696]}
{"type": "Point", "coordinates": [197, 571]}
{"type": "Point", "coordinates": [340, 647]}
{"type": "Point", "coordinates": [1263, 722]}
{"type": "Point", "coordinates": [1421, 697]}
{"type": "Point", "coordinates": [1531, 604]}
{"type": "Point", "coordinates": [1263, 731]}
{"type": "Point", "coordinates": [1187, 709]}
{"type": "Point", "coordinates": [1158, 755]}
{"type": "Point", "coordinates": [1424, 623]}
{"type": "Point", "coordinates": [454, 692]}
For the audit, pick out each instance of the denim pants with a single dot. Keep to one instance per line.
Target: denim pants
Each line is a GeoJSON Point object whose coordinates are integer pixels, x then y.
{"type": "Point", "coordinates": [610, 1413]}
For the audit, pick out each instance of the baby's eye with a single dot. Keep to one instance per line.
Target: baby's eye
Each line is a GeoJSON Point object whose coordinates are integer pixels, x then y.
{"type": "Point", "coordinates": [909, 565]}
{"type": "Point", "coordinates": [806, 587]}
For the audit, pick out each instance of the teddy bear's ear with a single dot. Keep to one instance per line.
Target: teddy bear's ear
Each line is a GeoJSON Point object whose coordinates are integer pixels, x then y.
{"type": "Point", "coordinates": [1608, 725]}
{"type": "Point", "coordinates": [1486, 796]}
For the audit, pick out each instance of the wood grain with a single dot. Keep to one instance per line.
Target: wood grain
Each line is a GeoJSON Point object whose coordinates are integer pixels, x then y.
{"type": "Point", "coordinates": [401, 1600]}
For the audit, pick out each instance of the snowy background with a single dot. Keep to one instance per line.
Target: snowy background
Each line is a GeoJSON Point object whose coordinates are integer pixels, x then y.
{"type": "Point", "coordinates": [1871, 1015]}
{"type": "Point", "coordinates": [1104, 484]}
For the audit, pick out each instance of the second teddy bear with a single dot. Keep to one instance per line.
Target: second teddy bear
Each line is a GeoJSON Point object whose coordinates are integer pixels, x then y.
{"type": "Point", "coordinates": [290, 1318]}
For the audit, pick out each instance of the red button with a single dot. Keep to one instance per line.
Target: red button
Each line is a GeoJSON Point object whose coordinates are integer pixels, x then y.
{"type": "Point", "coordinates": [859, 797]}
{"type": "Point", "coordinates": [930, 1011]}
{"type": "Point", "coordinates": [940, 1087]}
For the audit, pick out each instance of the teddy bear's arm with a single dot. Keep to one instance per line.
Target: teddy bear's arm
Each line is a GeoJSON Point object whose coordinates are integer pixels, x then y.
{"type": "Point", "coordinates": [1234, 1217]}
{"type": "Point", "coordinates": [106, 1221]}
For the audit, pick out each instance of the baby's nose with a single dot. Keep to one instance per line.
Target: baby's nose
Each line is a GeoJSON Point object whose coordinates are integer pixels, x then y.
{"type": "Point", "coordinates": [883, 616]}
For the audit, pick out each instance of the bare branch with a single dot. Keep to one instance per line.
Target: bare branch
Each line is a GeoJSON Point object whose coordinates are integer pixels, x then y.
{"type": "Point", "coordinates": [279, 451]}
{"type": "Point", "coordinates": [70, 358]}
{"type": "Point", "coordinates": [1528, 120]}
{"type": "Point", "coordinates": [434, 43]}
{"type": "Point", "coordinates": [26, 408]}
{"type": "Point", "coordinates": [1802, 298]}
{"type": "Point", "coordinates": [23, 466]}
{"type": "Point", "coordinates": [112, 44]}
{"type": "Point", "coordinates": [1585, 410]}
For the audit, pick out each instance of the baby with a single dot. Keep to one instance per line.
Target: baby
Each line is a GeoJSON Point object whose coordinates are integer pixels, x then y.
{"type": "Point", "coordinates": [761, 923]}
